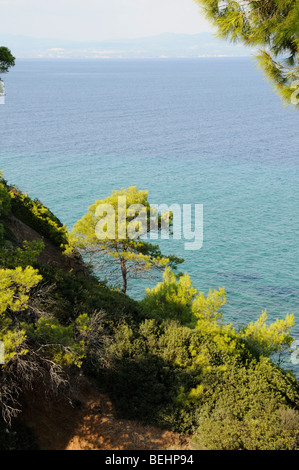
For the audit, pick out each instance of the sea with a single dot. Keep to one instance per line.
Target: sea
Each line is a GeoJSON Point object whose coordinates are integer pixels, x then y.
{"type": "Point", "coordinates": [202, 131]}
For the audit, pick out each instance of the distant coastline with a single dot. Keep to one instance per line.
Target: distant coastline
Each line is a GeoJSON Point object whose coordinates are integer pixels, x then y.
{"type": "Point", "coordinates": [163, 46]}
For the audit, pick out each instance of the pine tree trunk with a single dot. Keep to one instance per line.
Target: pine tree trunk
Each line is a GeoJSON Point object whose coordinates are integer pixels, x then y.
{"type": "Point", "coordinates": [124, 275]}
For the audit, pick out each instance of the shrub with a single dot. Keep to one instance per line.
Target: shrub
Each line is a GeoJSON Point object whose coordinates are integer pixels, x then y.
{"type": "Point", "coordinates": [267, 431]}
{"type": "Point", "coordinates": [5, 203]}
{"type": "Point", "coordinates": [177, 299]}
{"type": "Point", "coordinates": [38, 217]}
{"type": "Point", "coordinates": [196, 380]}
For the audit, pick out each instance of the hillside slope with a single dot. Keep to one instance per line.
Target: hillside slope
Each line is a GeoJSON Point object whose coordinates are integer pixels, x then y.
{"type": "Point", "coordinates": [87, 367]}
{"type": "Point", "coordinates": [85, 419]}
{"type": "Point", "coordinates": [90, 424]}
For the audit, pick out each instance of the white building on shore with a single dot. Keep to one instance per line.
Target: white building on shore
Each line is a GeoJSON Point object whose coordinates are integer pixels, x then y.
{"type": "Point", "coordinates": [2, 92]}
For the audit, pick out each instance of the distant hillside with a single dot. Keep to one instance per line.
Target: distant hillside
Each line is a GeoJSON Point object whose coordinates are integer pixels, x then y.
{"type": "Point", "coordinates": [160, 46]}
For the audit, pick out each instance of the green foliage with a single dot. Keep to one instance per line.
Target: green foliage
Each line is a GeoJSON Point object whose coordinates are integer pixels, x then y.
{"type": "Point", "coordinates": [176, 298]}
{"type": "Point", "coordinates": [266, 431]}
{"type": "Point", "coordinates": [24, 256]}
{"type": "Point", "coordinates": [179, 378]}
{"type": "Point", "coordinates": [169, 360]}
{"type": "Point", "coordinates": [113, 228]}
{"type": "Point", "coordinates": [7, 60]}
{"type": "Point", "coordinates": [5, 204]}
{"type": "Point", "coordinates": [58, 342]}
{"type": "Point", "coordinates": [36, 344]}
{"type": "Point", "coordinates": [39, 217]}
{"type": "Point", "coordinates": [208, 307]}
{"type": "Point", "coordinates": [14, 339]}
{"type": "Point", "coordinates": [270, 25]}
{"type": "Point", "coordinates": [271, 339]}
{"type": "Point", "coordinates": [171, 298]}
{"type": "Point", "coordinates": [15, 285]}
{"type": "Point", "coordinates": [73, 294]}
{"type": "Point", "coordinates": [136, 372]}
{"type": "Point", "coordinates": [202, 372]}
{"type": "Point", "coordinates": [253, 408]}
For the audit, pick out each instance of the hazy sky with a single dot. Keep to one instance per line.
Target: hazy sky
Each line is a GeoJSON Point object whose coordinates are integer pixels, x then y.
{"type": "Point", "coordinates": [100, 19]}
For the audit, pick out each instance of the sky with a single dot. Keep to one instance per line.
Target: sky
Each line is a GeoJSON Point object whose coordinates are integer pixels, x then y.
{"type": "Point", "coordinates": [100, 19]}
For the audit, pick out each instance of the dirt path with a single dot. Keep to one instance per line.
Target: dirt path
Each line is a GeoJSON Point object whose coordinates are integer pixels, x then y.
{"type": "Point", "coordinates": [90, 424]}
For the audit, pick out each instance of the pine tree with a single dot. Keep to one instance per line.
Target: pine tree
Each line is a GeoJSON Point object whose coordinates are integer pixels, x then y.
{"type": "Point", "coordinates": [114, 232]}
{"type": "Point", "coordinates": [270, 25]}
{"type": "Point", "coordinates": [7, 60]}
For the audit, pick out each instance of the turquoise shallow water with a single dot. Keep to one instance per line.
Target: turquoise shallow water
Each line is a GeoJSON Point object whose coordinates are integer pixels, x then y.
{"type": "Point", "coordinates": [204, 131]}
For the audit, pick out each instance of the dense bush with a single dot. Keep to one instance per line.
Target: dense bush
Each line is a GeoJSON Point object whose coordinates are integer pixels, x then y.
{"type": "Point", "coordinates": [252, 408]}
{"type": "Point", "coordinates": [38, 345]}
{"type": "Point", "coordinates": [74, 294]}
{"type": "Point", "coordinates": [196, 374]}
{"type": "Point", "coordinates": [40, 218]}
{"type": "Point", "coordinates": [5, 203]}
{"type": "Point", "coordinates": [21, 256]}
{"type": "Point", "coordinates": [267, 431]}
{"type": "Point", "coordinates": [178, 378]}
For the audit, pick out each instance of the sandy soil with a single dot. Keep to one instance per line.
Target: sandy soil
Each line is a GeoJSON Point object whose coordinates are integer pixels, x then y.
{"type": "Point", "coordinates": [90, 424]}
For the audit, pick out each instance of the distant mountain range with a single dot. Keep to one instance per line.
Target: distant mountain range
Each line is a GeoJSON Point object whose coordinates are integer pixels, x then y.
{"type": "Point", "coordinates": [161, 46]}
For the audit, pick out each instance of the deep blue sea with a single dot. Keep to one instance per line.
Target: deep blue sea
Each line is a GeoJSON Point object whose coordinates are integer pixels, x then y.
{"type": "Point", "coordinates": [205, 131]}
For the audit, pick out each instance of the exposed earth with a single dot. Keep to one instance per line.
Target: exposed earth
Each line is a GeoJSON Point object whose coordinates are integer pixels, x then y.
{"type": "Point", "coordinates": [89, 423]}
